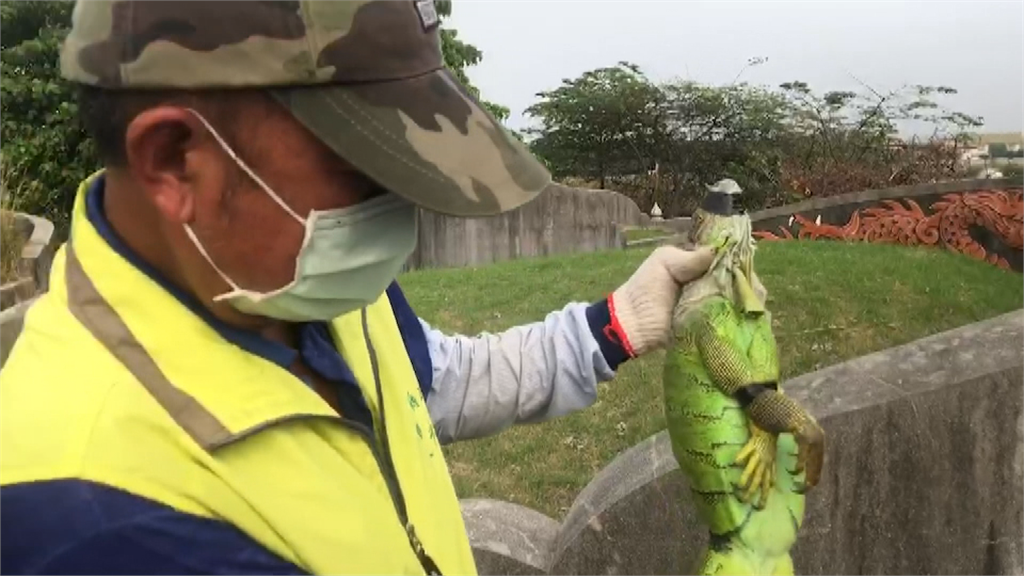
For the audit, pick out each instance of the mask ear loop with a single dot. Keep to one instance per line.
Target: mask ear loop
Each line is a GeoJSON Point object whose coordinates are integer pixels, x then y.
{"type": "Point", "coordinates": [206, 255]}
{"type": "Point", "coordinates": [227, 149]}
{"type": "Point", "coordinates": [235, 288]}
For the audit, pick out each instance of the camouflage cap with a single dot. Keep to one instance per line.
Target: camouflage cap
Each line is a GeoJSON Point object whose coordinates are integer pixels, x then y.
{"type": "Point", "coordinates": [374, 86]}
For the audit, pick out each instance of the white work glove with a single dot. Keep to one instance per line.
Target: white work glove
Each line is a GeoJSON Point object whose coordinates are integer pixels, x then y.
{"type": "Point", "coordinates": [641, 309]}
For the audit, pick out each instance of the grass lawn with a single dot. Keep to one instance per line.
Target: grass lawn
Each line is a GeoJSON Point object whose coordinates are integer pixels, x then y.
{"type": "Point", "coordinates": [632, 234]}
{"type": "Point", "coordinates": [831, 301]}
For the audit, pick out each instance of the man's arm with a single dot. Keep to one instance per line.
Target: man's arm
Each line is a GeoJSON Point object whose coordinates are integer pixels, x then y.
{"type": "Point", "coordinates": [484, 384]}
{"type": "Point", "coordinates": [70, 526]}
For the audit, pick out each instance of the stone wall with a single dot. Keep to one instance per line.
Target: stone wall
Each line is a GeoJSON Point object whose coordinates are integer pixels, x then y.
{"type": "Point", "coordinates": [923, 475]}
{"type": "Point", "coordinates": [983, 219]}
{"type": "Point", "coordinates": [561, 220]}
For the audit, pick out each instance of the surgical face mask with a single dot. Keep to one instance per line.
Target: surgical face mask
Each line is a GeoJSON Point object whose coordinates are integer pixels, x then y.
{"type": "Point", "coordinates": [348, 256]}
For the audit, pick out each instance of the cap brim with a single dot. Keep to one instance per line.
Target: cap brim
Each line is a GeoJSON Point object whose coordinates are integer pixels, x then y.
{"type": "Point", "coordinates": [424, 138]}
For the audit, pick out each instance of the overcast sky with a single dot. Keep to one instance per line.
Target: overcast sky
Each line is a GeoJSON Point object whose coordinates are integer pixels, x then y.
{"type": "Point", "coordinates": [975, 46]}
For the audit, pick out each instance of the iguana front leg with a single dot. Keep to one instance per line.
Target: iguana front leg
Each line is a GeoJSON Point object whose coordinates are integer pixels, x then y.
{"type": "Point", "coordinates": [777, 413]}
{"type": "Point", "coordinates": [767, 408]}
{"type": "Point", "coordinates": [732, 373]}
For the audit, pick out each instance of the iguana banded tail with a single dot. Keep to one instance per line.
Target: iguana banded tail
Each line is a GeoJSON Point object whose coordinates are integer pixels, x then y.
{"type": "Point", "coordinates": [749, 451]}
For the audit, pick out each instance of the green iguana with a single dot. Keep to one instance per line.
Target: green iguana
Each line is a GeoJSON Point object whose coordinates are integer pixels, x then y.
{"type": "Point", "coordinates": [749, 451]}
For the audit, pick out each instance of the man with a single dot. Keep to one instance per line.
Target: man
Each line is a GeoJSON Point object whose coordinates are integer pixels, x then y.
{"type": "Point", "coordinates": [224, 377]}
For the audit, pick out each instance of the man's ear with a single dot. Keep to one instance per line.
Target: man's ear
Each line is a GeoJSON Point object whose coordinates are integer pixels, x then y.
{"type": "Point", "coordinates": [163, 146]}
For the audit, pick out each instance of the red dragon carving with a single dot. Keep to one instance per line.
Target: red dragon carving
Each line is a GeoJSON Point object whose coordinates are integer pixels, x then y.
{"type": "Point", "coordinates": [999, 211]}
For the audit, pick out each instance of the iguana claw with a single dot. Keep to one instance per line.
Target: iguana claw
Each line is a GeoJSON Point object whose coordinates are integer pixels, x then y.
{"type": "Point", "coordinates": [810, 453]}
{"type": "Point", "coordinates": [759, 473]}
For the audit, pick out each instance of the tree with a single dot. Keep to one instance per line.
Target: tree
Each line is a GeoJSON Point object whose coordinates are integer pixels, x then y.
{"type": "Point", "coordinates": [46, 151]}
{"type": "Point", "coordinates": [714, 132]}
{"type": "Point", "coordinates": [844, 141]}
{"type": "Point", "coordinates": [459, 55]}
{"type": "Point", "coordinates": [602, 123]}
{"type": "Point", "coordinates": [614, 126]}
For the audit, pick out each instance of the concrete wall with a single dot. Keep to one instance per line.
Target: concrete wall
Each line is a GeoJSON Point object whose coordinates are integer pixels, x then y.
{"type": "Point", "coordinates": [923, 475]}
{"type": "Point", "coordinates": [560, 220]}
{"type": "Point", "coordinates": [981, 218]}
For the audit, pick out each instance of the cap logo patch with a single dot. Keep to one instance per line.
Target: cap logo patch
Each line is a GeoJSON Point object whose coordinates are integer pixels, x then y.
{"type": "Point", "coordinates": [427, 13]}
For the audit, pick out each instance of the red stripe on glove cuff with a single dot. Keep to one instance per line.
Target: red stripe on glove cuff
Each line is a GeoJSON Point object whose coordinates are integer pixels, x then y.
{"type": "Point", "coordinates": [613, 331]}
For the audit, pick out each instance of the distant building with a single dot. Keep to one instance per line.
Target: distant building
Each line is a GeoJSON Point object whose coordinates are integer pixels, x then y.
{"type": "Point", "coordinates": [990, 173]}
{"type": "Point", "coordinates": [979, 150]}
{"type": "Point", "coordinates": [1008, 138]}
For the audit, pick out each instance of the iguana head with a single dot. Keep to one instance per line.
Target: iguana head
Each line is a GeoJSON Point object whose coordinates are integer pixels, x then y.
{"type": "Point", "coordinates": [722, 223]}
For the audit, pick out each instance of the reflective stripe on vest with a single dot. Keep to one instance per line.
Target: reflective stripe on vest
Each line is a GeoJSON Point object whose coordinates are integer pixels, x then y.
{"type": "Point", "coordinates": [117, 382]}
{"type": "Point", "coordinates": [88, 306]}
{"type": "Point", "coordinates": [103, 322]}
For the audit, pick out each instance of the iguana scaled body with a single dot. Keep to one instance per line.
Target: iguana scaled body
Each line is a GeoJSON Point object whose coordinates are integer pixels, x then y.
{"type": "Point", "coordinates": [748, 451]}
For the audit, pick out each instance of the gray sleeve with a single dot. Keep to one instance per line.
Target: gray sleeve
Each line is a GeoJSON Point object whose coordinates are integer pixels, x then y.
{"type": "Point", "coordinates": [529, 373]}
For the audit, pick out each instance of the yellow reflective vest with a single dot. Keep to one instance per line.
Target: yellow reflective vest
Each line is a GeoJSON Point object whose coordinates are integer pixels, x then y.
{"type": "Point", "coordinates": [115, 381]}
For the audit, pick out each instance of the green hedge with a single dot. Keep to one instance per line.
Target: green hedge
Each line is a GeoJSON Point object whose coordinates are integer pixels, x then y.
{"type": "Point", "coordinates": [45, 149]}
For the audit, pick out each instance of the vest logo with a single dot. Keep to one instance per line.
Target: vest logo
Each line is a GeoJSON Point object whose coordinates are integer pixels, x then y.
{"type": "Point", "coordinates": [414, 404]}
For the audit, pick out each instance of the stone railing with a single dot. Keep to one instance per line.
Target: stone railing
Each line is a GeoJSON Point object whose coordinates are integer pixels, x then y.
{"type": "Point", "coordinates": [923, 475]}
{"type": "Point", "coordinates": [33, 278]}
